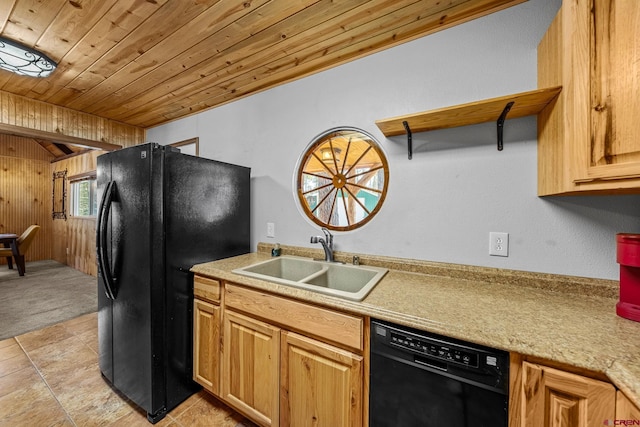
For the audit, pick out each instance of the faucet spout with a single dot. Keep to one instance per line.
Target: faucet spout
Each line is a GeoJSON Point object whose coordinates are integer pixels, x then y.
{"type": "Point", "coordinates": [327, 244]}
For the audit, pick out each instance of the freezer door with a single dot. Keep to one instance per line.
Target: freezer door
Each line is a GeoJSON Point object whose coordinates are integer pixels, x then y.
{"type": "Point", "coordinates": [134, 257]}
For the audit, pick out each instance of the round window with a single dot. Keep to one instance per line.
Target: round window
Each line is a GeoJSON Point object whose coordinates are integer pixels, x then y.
{"type": "Point", "coordinates": [342, 179]}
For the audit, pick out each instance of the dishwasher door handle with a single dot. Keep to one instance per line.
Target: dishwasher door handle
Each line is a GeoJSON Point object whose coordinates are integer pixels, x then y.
{"type": "Point", "coordinates": [441, 366]}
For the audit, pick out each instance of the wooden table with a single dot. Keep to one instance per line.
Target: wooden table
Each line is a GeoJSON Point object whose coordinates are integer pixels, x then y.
{"type": "Point", "coordinates": [11, 241]}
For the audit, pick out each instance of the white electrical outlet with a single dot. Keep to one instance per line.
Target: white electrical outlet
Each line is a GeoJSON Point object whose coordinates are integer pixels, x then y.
{"type": "Point", "coordinates": [498, 244]}
{"type": "Point", "coordinates": [271, 229]}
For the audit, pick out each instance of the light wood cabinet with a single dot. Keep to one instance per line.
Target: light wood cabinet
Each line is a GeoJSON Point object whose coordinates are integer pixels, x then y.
{"type": "Point", "coordinates": [206, 345]}
{"type": "Point", "coordinates": [321, 385]}
{"type": "Point", "coordinates": [289, 363]}
{"type": "Point", "coordinates": [555, 398]}
{"type": "Point", "coordinates": [207, 289]}
{"type": "Point", "coordinates": [588, 138]}
{"type": "Point", "coordinates": [327, 325]}
{"type": "Point", "coordinates": [251, 367]}
{"type": "Point", "coordinates": [625, 410]}
{"type": "Point", "coordinates": [279, 361]}
{"type": "Point", "coordinates": [206, 333]}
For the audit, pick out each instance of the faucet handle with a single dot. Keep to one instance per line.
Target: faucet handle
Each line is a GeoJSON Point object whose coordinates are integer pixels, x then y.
{"type": "Point", "coordinates": [315, 239]}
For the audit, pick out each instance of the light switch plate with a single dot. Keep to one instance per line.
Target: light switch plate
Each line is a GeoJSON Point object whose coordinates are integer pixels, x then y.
{"type": "Point", "coordinates": [271, 229]}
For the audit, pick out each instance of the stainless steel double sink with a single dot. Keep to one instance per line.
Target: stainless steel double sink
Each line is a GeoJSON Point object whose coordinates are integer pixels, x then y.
{"type": "Point", "coordinates": [352, 282]}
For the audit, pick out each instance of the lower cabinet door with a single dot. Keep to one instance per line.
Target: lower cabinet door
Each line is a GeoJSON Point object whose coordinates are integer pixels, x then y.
{"type": "Point", "coordinates": [250, 357]}
{"type": "Point", "coordinates": [206, 345]}
{"type": "Point", "coordinates": [556, 398]}
{"type": "Point", "coordinates": [625, 410]}
{"type": "Point", "coordinates": [321, 385]}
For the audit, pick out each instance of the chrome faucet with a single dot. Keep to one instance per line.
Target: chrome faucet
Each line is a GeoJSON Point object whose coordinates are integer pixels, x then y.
{"type": "Point", "coordinates": [327, 244]}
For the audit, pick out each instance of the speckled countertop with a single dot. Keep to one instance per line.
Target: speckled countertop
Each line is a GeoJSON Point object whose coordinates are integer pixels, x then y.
{"type": "Point", "coordinates": [564, 319]}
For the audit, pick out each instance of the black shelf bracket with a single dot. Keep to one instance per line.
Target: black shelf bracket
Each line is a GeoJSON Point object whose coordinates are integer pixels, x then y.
{"type": "Point", "coordinates": [500, 124]}
{"type": "Point", "coordinates": [409, 139]}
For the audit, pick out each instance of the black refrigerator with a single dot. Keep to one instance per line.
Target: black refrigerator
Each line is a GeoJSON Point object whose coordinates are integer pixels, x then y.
{"type": "Point", "coordinates": [160, 212]}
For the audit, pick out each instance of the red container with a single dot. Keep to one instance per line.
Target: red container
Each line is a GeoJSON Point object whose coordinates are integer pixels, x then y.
{"type": "Point", "coordinates": [628, 256]}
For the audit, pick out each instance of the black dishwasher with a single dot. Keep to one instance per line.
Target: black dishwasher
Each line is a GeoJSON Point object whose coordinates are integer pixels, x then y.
{"type": "Point", "coordinates": [427, 380]}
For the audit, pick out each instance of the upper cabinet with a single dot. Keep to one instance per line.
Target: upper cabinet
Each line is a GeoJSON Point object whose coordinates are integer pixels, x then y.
{"type": "Point", "coordinates": [589, 137]}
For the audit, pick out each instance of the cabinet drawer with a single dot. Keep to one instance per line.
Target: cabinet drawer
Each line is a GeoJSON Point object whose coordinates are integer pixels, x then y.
{"type": "Point", "coordinates": [206, 288]}
{"type": "Point", "coordinates": [329, 325]}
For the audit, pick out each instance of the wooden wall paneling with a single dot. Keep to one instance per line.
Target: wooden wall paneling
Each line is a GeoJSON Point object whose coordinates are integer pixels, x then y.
{"type": "Point", "coordinates": [27, 113]}
{"type": "Point", "coordinates": [59, 241]}
{"type": "Point", "coordinates": [25, 198]}
{"type": "Point", "coordinates": [81, 243]}
{"type": "Point", "coordinates": [75, 239]}
{"type": "Point", "coordinates": [35, 196]}
{"type": "Point", "coordinates": [26, 171]}
{"type": "Point", "coordinates": [25, 192]}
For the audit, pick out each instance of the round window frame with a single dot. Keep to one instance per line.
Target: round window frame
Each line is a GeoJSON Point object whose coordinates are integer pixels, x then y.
{"type": "Point", "coordinates": [315, 143]}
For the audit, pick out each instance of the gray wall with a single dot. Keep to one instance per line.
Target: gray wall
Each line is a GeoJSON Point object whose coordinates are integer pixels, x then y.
{"type": "Point", "coordinates": [441, 205]}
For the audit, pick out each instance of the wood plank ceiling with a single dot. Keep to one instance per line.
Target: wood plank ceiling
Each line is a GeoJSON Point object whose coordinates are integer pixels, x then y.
{"type": "Point", "coordinates": [146, 62]}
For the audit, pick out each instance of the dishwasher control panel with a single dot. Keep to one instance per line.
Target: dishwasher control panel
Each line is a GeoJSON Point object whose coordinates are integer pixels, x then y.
{"type": "Point", "coordinates": [426, 350]}
{"type": "Point", "coordinates": [435, 349]}
{"type": "Point", "coordinates": [420, 378]}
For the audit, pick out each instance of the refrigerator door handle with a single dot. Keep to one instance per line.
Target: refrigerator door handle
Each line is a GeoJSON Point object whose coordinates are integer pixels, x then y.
{"type": "Point", "coordinates": [101, 240]}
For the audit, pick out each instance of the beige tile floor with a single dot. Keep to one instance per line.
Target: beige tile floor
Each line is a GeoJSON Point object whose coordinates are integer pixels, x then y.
{"type": "Point", "coordinates": [50, 377]}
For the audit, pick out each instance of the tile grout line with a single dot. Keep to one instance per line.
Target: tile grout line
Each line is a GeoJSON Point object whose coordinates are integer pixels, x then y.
{"type": "Point", "coordinates": [46, 383]}
{"type": "Point", "coordinates": [79, 332]}
{"type": "Point", "coordinates": [123, 397]}
{"type": "Point", "coordinates": [37, 369]}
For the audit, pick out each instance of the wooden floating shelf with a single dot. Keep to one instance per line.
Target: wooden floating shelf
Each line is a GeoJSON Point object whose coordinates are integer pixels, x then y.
{"type": "Point", "coordinates": [489, 110]}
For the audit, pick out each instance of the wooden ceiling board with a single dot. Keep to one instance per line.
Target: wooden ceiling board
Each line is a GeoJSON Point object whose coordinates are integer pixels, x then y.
{"type": "Point", "coordinates": [225, 33]}
{"type": "Point", "coordinates": [111, 29]}
{"type": "Point", "coordinates": [293, 56]}
{"type": "Point", "coordinates": [6, 6]}
{"type": "Point", "coordinates": [26, 23]}
{"type": "Point", "coordinates": [56, 150]}
{"type": "Point", "coordinates": [314, 55]}
{"type": "Point", "coordinates": [159, 26]}
{"type": "Point", "coordinates": [29, 19]}
{"type": "Point", "coordinates": [146, 62]}
{"type": "Point", "coordinates": [64, 32]}
{"type": "Point", "coordinates": [262, 46]}
{"type": "Point", "coordinates": [349, 37]}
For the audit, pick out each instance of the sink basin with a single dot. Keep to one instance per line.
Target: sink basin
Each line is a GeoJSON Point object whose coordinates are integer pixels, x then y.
{"type": "Point", "coordinates": [287, 268]}
{"type": "Point", "coordinates": [352, 282]}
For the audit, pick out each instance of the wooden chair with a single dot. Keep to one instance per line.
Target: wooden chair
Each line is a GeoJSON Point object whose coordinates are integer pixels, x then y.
{"type": "Point", "coordinates": [23, 242]}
